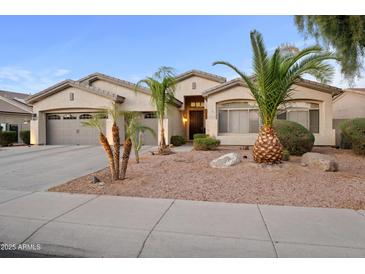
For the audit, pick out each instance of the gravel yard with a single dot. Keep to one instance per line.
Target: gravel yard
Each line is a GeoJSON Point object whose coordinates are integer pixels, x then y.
{"type": "Point", "coordinates": [187, 175]}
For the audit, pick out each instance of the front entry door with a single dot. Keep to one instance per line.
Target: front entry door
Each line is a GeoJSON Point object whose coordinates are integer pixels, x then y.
{"type": "Point", "coordinates": [196, 122]}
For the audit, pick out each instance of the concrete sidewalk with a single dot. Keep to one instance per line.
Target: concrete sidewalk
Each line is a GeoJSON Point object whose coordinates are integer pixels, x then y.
{"type": "Point", "coordinates": [105, 226]}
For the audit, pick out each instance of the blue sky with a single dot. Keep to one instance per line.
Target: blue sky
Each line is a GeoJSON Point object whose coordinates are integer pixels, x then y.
{"type": "Point", "coordinates": [38, 51]}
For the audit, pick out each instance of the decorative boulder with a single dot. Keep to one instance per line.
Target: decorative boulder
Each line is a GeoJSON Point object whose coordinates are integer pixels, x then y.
{"type": "Point", "coordinates": [318, 160]}
{"type": "Point", "coordinates": [226, 160]}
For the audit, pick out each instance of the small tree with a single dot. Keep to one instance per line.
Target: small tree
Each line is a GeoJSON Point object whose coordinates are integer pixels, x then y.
{"type": "Point", "coordinates": [96, 122]}
{"type": "Point", "coordinates": [162, 86]}
{"type": "Point", "coordinates": [115, 113]}
{"type": "Point", "coordinates": [135, 130]}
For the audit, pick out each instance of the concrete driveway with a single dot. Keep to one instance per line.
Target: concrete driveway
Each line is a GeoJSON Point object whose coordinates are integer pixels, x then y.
{"type": "Point", "coordinates": [38, 168]}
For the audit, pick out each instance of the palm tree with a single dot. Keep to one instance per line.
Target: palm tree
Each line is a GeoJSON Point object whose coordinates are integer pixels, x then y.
{"type": "Point", "coordinates": [115, 113]}
{"type": "Point", "coordinates": [162, 86]}
{"type": "Point", "coordinates": [135, 131]}
{"type": "Point", "coordinates": [272, 86]}
{"type": "Point", "coordinates": [96, 122]}
{"type": "Point", "coordinates": [132, 127]}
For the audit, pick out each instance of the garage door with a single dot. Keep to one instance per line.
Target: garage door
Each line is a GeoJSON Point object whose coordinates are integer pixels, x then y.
{"type": "Point", "coordinates": [150, 120]}
{"type": "Point", "coordinates": [66, 129]}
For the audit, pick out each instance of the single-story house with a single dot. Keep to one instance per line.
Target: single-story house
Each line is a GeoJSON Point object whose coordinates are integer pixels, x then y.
{"type": "Point", "coordinates": [204, 103]}
{"type": "Point", "coordinates": [15, 114]}
{"type": "Point", "coordinates": [348, 104]}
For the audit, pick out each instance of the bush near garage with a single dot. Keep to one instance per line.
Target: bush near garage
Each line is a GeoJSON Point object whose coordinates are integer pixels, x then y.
{"type": "Point", "coordinates": [206, 143]}
{"type": "Point", "coordinates": [177, 140]}
{"type": "Point", "coordinates": [295, 138]}
{"type": "Point", "coordinates": [354, 131]}
{"type": "Point", "coordinates": [200, 135]}
{"type": "Point", "coordinates": [25, 136]}
{"type": "Point", "coordinates": [7, 138]}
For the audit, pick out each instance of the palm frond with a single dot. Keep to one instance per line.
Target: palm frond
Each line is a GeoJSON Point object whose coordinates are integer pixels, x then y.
{"type": "Point", "coordinates": [275, 75]}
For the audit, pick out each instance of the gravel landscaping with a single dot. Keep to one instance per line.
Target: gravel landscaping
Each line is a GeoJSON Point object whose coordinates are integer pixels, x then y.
{"type": "Point", "coordinates": [188, 176]}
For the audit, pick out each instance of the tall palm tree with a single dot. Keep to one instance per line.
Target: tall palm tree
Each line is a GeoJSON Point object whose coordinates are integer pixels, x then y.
{"type": "Point", "coordinates": [272, 86]}
{"type": "Point", "coordinates": [96, 122]}
{"type": "Point", "coordinates": [162, 86]}
{"type": "Point", "coordinates": [115, 113]}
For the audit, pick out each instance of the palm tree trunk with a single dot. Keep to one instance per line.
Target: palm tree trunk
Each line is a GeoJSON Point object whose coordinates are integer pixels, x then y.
{"type": "Point", "coordinates": [163, 148]}
{"type": "Point", "coordinates": [127, 147]}
{"type": "Point", "coordinates": [267, 148]}
{"type": "Point", "coordinates": [116, 141]}
{"type": "Point", "coordinates": [104, 142]}
{"type": "Point", "coordinates": [136, 154]}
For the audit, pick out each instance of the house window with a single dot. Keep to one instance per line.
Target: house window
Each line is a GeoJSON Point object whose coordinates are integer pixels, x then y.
{"type": "Point", "coordinates": [85, 116]}
{"type": "Point", "coordinates": [72, 96]}
{"type": "Point", "coordinates": [304, 113]}
{"type": "Point", "coordinates": [193, 85]}
{"type": "Point", "coordinates": [238, 118]}
{"type": "Point", "coordinates": [69, 117]}
{"type": "Point", "coordinates": [53, 117]}
{"type": "Point", "coordinates": [150, 115]}
{"type": "Point", "coordinates": [196, 104]}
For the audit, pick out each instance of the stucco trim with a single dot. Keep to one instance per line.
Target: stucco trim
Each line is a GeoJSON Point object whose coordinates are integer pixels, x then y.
{"type": "Point", "coordinates": [224, 86]}
{"type": "Point", "coordinates": [100, 76]}
{"type": "Point", "coordinates": [201, 74]}
{"type": "Point", "coordinates": [303, 82]}
{"type": "Point", "coordinates": [346, 91]}
{"type": "Point", "coordinates": [70, 83]}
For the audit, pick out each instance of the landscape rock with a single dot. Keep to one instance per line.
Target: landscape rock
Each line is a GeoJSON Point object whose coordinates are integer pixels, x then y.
{"type": "Point", "coordinates": [101, 184]}
{"type": "Point", "coordinates": [322, 161]}
{"type": "Point", "coordinates": [95, 180]}
{"type": "Point", "coordinates": [226, 160]}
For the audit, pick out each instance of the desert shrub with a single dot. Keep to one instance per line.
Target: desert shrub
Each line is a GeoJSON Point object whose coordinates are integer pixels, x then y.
{"type": "Point", "coordinates": [200, 135]}
{"type": "Point", "coordinates": [206, 143]}
{"type": "Point", "coordinates": [345, 142]}
{"type": "Point", "coordinates": [25, 136]}
{"type": "Point", "coordinates": [286, 155]}
{"type": "Point", "coordinates": [7, 138]}
{"type": "Point", "coordinates": [177, 140]}
{"type": "Point", "coordinates": [294, 137]}
{"type": "Point", "coordinates": [354, 131]}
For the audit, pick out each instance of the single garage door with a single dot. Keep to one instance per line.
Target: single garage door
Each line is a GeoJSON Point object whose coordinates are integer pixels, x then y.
{"type": "Point", "coordinates": [66, 129]}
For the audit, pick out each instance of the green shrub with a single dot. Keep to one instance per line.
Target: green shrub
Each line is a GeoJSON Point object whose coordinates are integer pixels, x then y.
{"type": "Point", "coordinates": [177, 140]}
{"type": "Point", "coordinates": [286, 155]}
{"type": "Point", "coordinates": [207, 143]}
{"type": "Point", "coordinates": [200, 135]}
{"type": "Point", "coordinates": [294, 137]}
{"type": "Point", "coordinates": [7, 138]}
{"type": "Point", "coordinates": [25, 136]}
{"type": "Point", "coordinates": [354, 131]}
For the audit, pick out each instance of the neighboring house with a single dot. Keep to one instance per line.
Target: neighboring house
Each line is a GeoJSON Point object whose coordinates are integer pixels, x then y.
{"type": "Point", "coordinates": [349, 104]}
{"type": "Point", "coordinates": [204, 103]}
{"type": "Point", "coordinates": [15, 114]}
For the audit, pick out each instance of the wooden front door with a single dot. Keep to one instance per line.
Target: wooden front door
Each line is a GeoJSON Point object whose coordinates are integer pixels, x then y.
{"type": "Point", "coordinates": [196, 122]}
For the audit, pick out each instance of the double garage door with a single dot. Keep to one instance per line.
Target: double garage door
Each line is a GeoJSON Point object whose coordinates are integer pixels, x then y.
{"type": "Point", "coordinates": [67, 129]}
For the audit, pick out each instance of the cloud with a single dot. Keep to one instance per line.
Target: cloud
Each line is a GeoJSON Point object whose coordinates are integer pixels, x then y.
{"type": "Point", "coordinates": [24, 80]}
{"type": "Point", "coordinates": [61, 72]}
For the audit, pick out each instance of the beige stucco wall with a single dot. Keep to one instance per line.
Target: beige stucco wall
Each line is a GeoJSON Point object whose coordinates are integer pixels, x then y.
{"type": "Point", "coordinates": [60, 102]}
{"type": "Point", "coordinates": [326, 136]}
{"type": "Point", "coordinates": [184, 87]}
{"type": "Point", "coordinates": [134, 100]}
{"type": "Point", "coordinates": [173, 124]}
{"type": "Point", "coordinates": [349, 105]}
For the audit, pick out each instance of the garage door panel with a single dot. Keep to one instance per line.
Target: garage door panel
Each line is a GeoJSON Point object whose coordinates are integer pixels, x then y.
{"type": "Point", "coordinates": [147, 137]}
{"type": "Point", "coordinates": [63, 131]}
